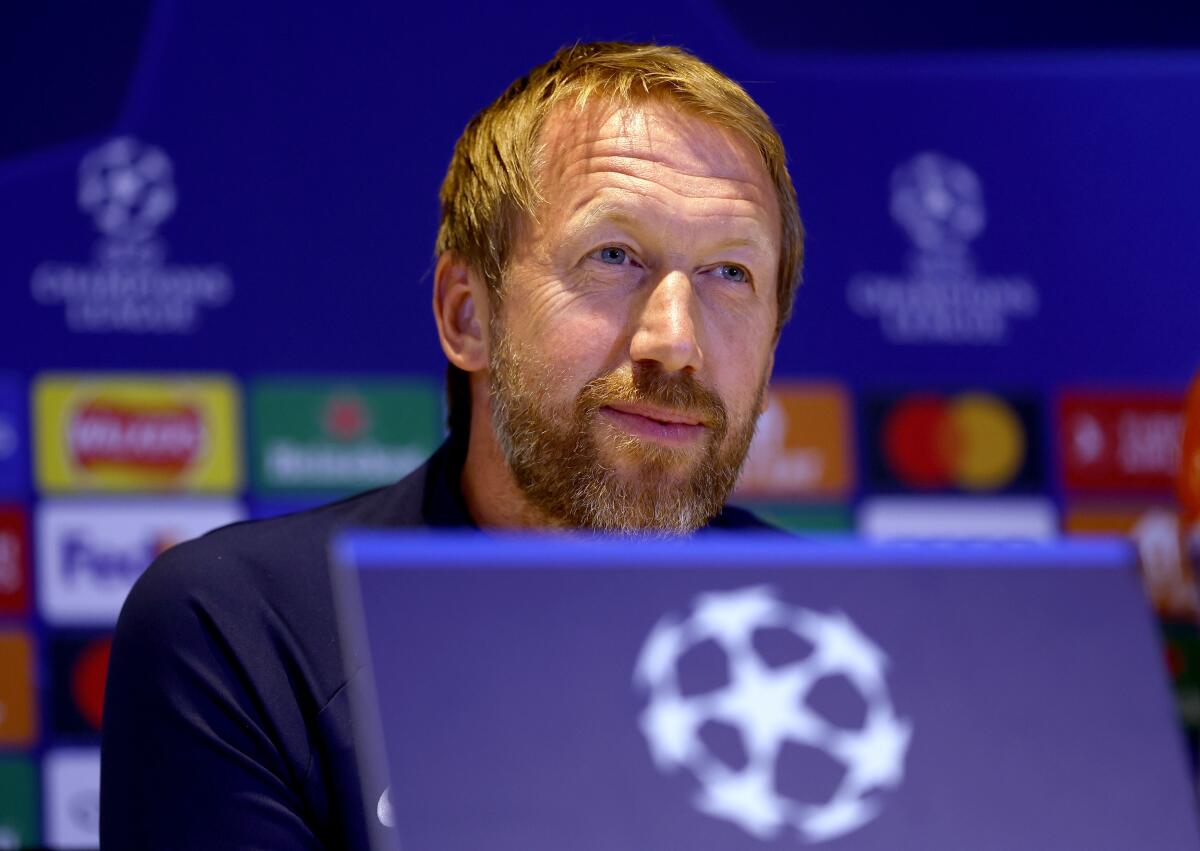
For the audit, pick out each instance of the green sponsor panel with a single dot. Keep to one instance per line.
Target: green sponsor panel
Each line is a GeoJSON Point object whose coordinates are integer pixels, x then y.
{"type": "Point", "coordinates": [18, 804]}
{"type": "Point", "coordinates": [806, 518]}
{"type": "Point", "coordinates": [334, 437]}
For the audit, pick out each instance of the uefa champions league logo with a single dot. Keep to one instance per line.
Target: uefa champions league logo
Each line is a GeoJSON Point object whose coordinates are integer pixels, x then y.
{"type": "Point", "coordinates": [938, 203]}
{"type": "Point", "coordinates": [766, 702]}
{"type": "Point", "coordinates": [128, 190]}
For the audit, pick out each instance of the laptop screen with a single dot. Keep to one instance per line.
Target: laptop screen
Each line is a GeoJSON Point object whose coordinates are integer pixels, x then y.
{"type": "Point", "coordinates": [541, 694]}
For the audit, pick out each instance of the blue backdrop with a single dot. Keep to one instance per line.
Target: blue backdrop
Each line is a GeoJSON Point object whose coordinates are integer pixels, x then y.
{"type": "Point", "coordinates": [307, 147]}
{"type": "Point", "coordinates": [251, 190]}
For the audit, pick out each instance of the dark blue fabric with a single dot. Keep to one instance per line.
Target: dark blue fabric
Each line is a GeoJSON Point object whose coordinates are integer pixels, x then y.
{"type": "Point", "coordinates": [226, 718]}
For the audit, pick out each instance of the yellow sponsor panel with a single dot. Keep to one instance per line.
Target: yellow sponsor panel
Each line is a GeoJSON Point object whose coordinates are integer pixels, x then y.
{"type": "Point", "coordinates": [137, 433]}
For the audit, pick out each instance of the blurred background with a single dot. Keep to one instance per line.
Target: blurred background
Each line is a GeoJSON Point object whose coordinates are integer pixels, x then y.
{"type": "Point", "coordinates": [216, 232]}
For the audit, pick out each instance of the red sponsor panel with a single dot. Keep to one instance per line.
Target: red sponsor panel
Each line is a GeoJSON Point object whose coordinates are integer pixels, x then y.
{"type": "Point", "coordinates": [1120, 442]}
{"type": "Point", "coordinates": [1189, 468]}
{"type": "Point", "coordinates": [14, 561]}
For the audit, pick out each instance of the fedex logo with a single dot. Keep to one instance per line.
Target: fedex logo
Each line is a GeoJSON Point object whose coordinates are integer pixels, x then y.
{"type": "Point", "coordinates": [92, 551]}
{"type": "Point", "coordinates": [83, 557]}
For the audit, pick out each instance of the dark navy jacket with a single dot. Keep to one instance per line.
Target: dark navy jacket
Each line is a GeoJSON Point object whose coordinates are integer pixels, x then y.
{"type": "Point", "coordinates": [226, 717]}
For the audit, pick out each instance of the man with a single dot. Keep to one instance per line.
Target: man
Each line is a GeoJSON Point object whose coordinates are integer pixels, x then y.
{"type": "Point", "coordinates": [618, 251]}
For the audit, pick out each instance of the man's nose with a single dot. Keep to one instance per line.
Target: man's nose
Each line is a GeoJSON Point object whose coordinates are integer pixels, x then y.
{"type": "Point", "coordinates": [665, 332]}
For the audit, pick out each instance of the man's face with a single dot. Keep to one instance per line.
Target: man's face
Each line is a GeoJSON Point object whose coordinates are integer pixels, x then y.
{"type": "Point", "coordinates": [635, 330]}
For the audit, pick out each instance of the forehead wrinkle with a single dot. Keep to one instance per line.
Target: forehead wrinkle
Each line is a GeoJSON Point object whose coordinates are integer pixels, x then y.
{"type": "Point", "coordinates": [647, 168]}
{"type": "Point", "coordinates": [639, 129]}
{"type": "Point", "coordinates": [635, 190]}
{"type": "Point", "coordinates": [684, 134]}
{"type": "Point", "coordinates": [722, 206]}
{"type": "Point", "coordinates": [638, 151]}
{"type": "Point", "coordinates": [591, 212]}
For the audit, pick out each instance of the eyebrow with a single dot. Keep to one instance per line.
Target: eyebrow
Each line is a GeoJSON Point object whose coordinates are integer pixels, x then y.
{"type": "Point", "coordinates": [603, 212]}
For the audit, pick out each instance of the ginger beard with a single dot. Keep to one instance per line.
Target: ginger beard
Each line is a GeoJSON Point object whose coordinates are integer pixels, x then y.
{"type": "Point", "coordinates": [566, 459]}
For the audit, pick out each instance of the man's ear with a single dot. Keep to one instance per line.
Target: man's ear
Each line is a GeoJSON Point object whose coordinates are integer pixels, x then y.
{"type": "Point", "coordinates": [460, 307]}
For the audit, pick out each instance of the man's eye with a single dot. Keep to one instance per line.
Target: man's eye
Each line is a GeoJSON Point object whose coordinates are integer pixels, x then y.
{"type": "Point", "coordinates": [734, 273]}
{"type": "Point", "coordinates": [612, 254]}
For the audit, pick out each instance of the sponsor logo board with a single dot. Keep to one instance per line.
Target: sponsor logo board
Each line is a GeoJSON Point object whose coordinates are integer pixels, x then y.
{"type": "Point", "coordinates": [320, 436]}
{"type": "Point", "coordinates": [71, 797]}
{"type": "Point", "coordinates": [1120, 443]}
{"type": "Point", "coordinates": [137, 433]}
{"type": "Point", "coordinates": [969, 442]}
{"type": "Point", "coordinates": [127, 188]}
{"type": "Point", "coordinates": [90, 552]}
{"type": "Point", "coordinates": [17, 712]}
{"type": "Point", "coordinates": [801, 447]}
{"type": "Point", "coordinates": [14, 561]}
{"type": "Point", "coordinates": [957, 518]}
{"type": "Point", "coordinates": [78, 669]}
{"type": "Point", "coordinates": [14, 460]}
{"type": "Point", "coordinates": [1162, 554]}
{"type": "Point", "coordinates": [18, 803]}
{"type": "Point", "coordinates": [943, 298]}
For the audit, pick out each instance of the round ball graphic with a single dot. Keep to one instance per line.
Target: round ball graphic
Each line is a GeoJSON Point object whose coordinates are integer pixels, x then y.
{"type": "Point", "coordinates": [127, 188]}
{"type": "Point", "coordinates": [763, 707]}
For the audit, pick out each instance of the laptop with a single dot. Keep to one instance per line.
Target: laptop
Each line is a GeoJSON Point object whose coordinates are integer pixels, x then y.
{"type": "Point", "coordinates": [744, 694]}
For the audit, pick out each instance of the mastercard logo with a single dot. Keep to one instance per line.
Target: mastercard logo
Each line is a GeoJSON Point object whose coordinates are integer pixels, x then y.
{"type": "Point", "coordinates": [972, 441]}
{"type": "Point", "coordinates": [79, 668]}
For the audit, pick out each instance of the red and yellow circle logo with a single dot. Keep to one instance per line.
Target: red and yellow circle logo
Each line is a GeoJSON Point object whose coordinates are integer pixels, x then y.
{"type": "Point", "coordinates": [973, 441]}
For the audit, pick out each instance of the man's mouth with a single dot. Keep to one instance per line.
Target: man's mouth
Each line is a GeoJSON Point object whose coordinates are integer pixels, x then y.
{"type": "Point", "coordinates": [655, 423]}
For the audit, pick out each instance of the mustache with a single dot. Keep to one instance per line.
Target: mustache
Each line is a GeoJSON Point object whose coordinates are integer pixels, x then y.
{"type": "Point", "coordinates": [678, 392]}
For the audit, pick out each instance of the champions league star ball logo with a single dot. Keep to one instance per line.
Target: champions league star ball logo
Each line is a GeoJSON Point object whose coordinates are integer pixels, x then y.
{"type": "Point", "coordinates": [938, 201]}
{"type": "Point", "coordinates": [942, 299]}
{"type": "Point", "coordinates": [127, 188]}
{"type": "Point", "coordinates": [765, 701]}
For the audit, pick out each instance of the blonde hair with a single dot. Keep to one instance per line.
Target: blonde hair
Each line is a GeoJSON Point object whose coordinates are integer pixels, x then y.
{"type": "Point", "coordinates": [491, 186]}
